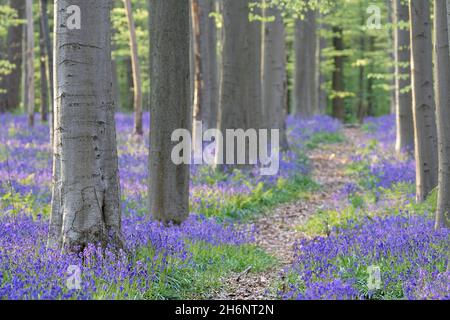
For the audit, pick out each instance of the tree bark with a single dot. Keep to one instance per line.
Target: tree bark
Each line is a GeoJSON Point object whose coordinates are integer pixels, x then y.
{"type": "Point", "coordinates": [423, 98]}
{"type": "Point", "coordinates": [305, 65]}
{"type": "Point", "coordinates": [49, 52]}
{"type": "Point", "coordinates": [274, 75]}
{"type": "Point", "coordinates": [442, 66]}
{"type": "Point", "coordinates": [198, 91]}
{"type": "Point", "coordinates": [338, 74]}
{"type": "Point", "coordinates": [129, 97]}
{"type": "Point", "coordinates": [370, 95]}
{"type": "Point", "coordinates": [43, 72]}
{"type": "Point", "coordinates": [30, 63]}
{"type": "Point", "coordinates": [9, 100]}
{"type": "Point", "coordinates": [403, 100]}
{"type": "Point", "coordinates": [137, 82]}
{"type": "Point", "coordinates": [362, 103]}
{"type": "Point", "coordinates": [220, 41]}
{"type": "Point", "coordinates": [241, 85]}
{"type": "Point", "coordinates": [391, 43]}
{"type": "Point", "coordinates": [322, 94]}
{"type": "Point", "coordinates": [448, 23]}
{"type": "Point", "coordinates": [211, 64]}
{"type": "Point", "coordinates": [255, 73]}
{"type": "Point", "coordinates": [86, 191]}
{"type": "Point", "coordinates": [24, 95]}
{"type": "Point", "coordinates": [115, 80]}
{"type": "Point", "coordinates": [115, 76]}
{"type": "Point", "coordinates": [205, 80]}
{"type": "Point", "coordinates": [170, 107]}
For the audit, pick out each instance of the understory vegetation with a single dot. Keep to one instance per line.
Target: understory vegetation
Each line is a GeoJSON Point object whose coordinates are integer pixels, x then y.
{"type": "Point", "coordinates": [164, 262]}
{"type": "Point", "coordinates": [371, 222]}
{"type": "Point", "coordinates": [374, 222]}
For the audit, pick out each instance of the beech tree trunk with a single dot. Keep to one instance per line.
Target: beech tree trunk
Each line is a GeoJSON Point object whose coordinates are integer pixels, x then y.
{"type": "Point", "coordinates": [43, 72]}
{"type": "Point", "coordinates": [274, 75]}
{"type": "Point", "coordinates": [220, 40]}
{"type": "Point", "coordinates": [362, 101]}
{"type": "Point", "coordinates": [205, 80]}
{"type": "Point", "coordinates": [129, 87]}
{"type": "Point", "coordinates": [210, 68]}
{"type": "Point", "coordinates": [86, 192]}
{"type": "Point", "coordinates": [423, 99]}
{"type": "Point", "coordinates": [403, 100]}
{"type": "Point", "coordinates": [338, 74]}
{"type": "Point", "coordinates": [115, 80]}
{"type": "Point", "coordinates": [170, 107]}
{"type": "Point", "coordinates": [322, 93]}
{"type": "Point", "coordinates": [448, 23]}
{"type": "Point", "coordinates": [305, 65]}
{"type": "Point", "coordinates": [24, 96]}
{"type": "Point", "coordinates": [9, 100]}
{"type": "Point", "coordinates": [30, 63]}
{"type": "Point", "coordinates": [241, 85]}
{"type": "Point", "coordinates": [197, 72]}
{"type": "Point", "coordinates": [115, 76]}
{"type": "Point", "coordinates": [442, 111]}
{"type": "Point", "coordinates": [137, 82]}
{"type": "Point", "coordinates": [391, 42]}
{"type": "Point", "coordinates": [49, 54]}
{"type": "Point", "coordinates": [370, 95]}
{"type": "Point", "coordinates": [255, 71]}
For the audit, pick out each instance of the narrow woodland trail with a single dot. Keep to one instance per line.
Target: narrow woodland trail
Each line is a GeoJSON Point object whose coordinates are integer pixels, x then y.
{"type": "Point", "coordinates": [276, 231]}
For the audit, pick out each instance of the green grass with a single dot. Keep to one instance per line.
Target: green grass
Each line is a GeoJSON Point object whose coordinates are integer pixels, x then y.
{"type": "Point", "coordinates": [198, 279]}
{"type": "Point", "coordinates": [28, 203]}
{"type": "Point", "coordinates": [247, 207]}
{"type": "Point", "coordinates": [322, 138]}
{"type": "Point", "coordinates": [263, 198]}
{"type": "Point", "coordinates": [323, 221]}
{"type": "Point", "coordinates": [214, 263]}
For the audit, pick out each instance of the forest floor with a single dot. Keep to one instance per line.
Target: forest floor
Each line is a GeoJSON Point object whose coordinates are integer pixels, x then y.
{"type": "Point", "coordinates": [339, 221]}
{"type": "Point", "coordinates": [278, 230]}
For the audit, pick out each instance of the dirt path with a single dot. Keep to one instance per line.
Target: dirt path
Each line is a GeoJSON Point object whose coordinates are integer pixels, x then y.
{"type": "Point", "coordinates": [276, 231]}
